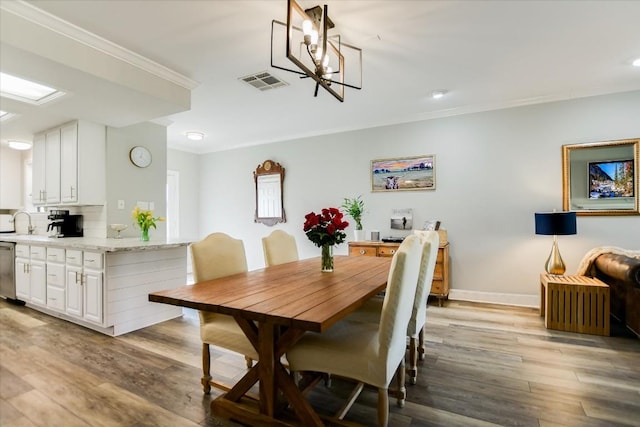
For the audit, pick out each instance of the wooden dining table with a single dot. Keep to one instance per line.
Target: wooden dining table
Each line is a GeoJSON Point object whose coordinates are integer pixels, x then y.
{"type": "Point", "coordinates": [274, 307]}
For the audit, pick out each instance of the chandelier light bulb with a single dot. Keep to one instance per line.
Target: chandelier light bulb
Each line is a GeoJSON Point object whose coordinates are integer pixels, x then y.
{"type": "Point", "coordinates": [328, 73]}
{"type": "Point", "coordinates": [325, 61]}
{"type": "Point", "coordinates": [306, 30]}
{"type": "Point", "coordinates": [307, 26]}
{"type": "Point", "coordinates": [314, 36]}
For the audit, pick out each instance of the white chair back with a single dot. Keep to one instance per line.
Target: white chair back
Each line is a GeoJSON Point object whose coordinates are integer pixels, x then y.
{"type": "Point", "coordinates": [279, 248]}
{"type": "Point", "coordinates": [430, 242]}
{"type": "Point", "coordinates": [217, 255]}
{"type": "Point", "coordinates": [398, 301]}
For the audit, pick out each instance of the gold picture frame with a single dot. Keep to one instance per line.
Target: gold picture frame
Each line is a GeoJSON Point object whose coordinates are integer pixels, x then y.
{"type": "Point", "coordinates": [601, 178]}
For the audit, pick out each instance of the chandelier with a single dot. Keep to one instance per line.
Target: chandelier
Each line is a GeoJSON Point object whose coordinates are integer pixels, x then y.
{"type": "Point", "coordinates": [318, 54]}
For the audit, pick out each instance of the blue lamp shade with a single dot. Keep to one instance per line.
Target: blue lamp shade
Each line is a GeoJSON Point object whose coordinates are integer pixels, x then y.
{"type": "Point", "coordinates": [556, 223]}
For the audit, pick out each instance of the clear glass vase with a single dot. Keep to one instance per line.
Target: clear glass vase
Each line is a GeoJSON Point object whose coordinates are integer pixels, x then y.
{"type": "Point", "coordinates": [327, 258]}
{"type": "Point", "coordinates": [145, 235]}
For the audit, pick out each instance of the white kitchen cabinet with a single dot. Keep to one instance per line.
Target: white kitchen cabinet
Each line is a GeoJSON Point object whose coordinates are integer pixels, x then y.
{"type": "Point", "coordinates": [31, 278]}
{"type": "Point", "coordinates": [23, 279]}
{"type": "Point", "coordinates": [52, 167]}
{"type": "Point", "coordinates": [80, 175]}
{"type": "Point", "coordinates": [84, 276]}
{"type": "Point", "coordinates": [38, 178]}
{"type": "Point", "coordinates": [56, 279]}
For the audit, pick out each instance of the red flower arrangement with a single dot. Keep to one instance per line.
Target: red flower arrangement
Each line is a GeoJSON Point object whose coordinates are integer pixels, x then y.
{"type": "Point", "coordinates": [325, 228]}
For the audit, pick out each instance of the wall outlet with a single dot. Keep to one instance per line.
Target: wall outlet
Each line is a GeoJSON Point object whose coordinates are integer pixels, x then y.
{"type": "Point", "coordinates": [120, 204]}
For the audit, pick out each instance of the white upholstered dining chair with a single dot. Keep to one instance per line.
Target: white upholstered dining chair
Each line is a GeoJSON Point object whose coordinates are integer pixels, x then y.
{"type": "Point", "coordinates": [371, 310]}
{"type": "Point", "coordinates": [366, 352]}
{"type": "Point", "coordinates": [279, 248]}
{"type": "Point", "coordinates": [219, 255]}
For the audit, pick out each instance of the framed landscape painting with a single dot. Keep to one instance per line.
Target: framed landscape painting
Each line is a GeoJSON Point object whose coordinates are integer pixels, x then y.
{"type": "Point", "coordinates": [404, 173]}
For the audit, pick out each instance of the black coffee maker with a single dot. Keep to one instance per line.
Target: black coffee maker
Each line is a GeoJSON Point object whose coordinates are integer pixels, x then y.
{"type": "Point", "coordinates": [64, 225]}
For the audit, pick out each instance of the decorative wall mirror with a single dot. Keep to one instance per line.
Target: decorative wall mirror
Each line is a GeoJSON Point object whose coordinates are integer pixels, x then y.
{"type": "Point", "coordinates": [601, 178]}
{"type": "Point", "coordinates": [269, 177]}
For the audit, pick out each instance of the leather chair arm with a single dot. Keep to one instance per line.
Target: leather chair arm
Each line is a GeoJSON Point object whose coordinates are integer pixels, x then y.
{"type": "Point", "coordinates": [620, 267]}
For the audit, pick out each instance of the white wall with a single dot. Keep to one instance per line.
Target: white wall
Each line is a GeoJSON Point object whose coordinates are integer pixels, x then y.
{"type": "Point", "coordinates": [493, 171]}
{"type": "Point", "coordinates": [130, 183]}
{"type": "Point", "coordinates": [187, 165]}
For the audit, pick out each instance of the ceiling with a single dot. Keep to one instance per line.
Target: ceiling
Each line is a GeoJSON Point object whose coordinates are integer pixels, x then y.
{"type": "Point", "coordinates": [485, 54]}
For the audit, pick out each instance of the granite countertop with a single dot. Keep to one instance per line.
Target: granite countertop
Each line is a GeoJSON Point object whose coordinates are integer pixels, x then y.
{"type": "Point", "coordinates": [96, 243]}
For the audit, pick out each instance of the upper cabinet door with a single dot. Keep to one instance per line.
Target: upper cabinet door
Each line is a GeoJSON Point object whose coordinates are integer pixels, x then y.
{"type": "Point", "coordinates": [69, 158]}
{"type": "Point", "coordinates": [52, 166]}
{"type": "Point", "coordinates": [38, 165]}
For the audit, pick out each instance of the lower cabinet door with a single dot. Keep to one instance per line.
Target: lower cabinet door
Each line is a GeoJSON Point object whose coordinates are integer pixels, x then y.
{"type": "Point", "coordinates": [93, 296]}
{"type": "Point", "coordinates": [23, 280]}
{"type": "Point", "coordinates": [38, 282]}
{"type": "Point", "coordinates": [74, 291]}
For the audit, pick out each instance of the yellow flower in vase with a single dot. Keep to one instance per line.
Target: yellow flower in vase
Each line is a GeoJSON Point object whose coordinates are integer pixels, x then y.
{"type": "Point", "coordinates": [145, 220]}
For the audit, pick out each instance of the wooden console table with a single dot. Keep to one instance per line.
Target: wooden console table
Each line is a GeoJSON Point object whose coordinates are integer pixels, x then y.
{"type": "Point", "coordinates": [574, 304]}
{"type": "Point", "coordinates": [440, 284]}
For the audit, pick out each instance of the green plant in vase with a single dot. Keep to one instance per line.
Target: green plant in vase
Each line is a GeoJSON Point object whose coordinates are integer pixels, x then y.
{"type": "Point", "coordinates": [354, 207]}
{"type": "Point", "coordinates": [145, 220]}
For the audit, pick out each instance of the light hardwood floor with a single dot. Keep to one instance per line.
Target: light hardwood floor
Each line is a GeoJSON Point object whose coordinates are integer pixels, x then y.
{"type": "Point", "coordinates": [486, 365]}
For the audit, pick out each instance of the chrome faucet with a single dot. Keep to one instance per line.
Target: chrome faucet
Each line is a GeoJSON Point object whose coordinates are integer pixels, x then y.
{"type": "Point", "coordinates": [31, 227]}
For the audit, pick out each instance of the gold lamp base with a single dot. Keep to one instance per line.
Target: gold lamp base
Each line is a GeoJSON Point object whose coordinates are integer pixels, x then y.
{"type": "Point", "coordinates": [554, 264]}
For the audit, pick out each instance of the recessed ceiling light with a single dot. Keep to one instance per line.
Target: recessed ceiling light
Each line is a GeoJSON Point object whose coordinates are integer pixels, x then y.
{"type": "Point", "coordinates": [636, 63]}
{"type": "Point", "coordinates": [26, 91]}
{"type": "Point", "coordinates": [195, 136]}
{"type": "Point", "coordinates": [19, 145]}
{"type": "Point", "coordinates": [437, 94]}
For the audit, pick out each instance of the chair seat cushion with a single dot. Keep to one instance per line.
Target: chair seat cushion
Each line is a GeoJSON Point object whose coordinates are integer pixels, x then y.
{"type": "Point", "coordinates": [223, 331]}
{"type": "Point", "coordinates": [348, 349]}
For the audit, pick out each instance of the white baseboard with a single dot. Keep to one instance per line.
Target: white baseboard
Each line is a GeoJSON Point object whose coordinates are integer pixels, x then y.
{"type": "Point", "coordinates": [520, 300]}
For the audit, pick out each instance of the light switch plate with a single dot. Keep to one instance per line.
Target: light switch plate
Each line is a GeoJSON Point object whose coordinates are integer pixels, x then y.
{"type": "Point", "coordinates": [120, 204]}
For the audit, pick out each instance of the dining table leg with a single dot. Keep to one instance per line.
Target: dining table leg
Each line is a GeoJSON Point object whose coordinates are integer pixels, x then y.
{"type": "Point", "coordinates": [271, 342]}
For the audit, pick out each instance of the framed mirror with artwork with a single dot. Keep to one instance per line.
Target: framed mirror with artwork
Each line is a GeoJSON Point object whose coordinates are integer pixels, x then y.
{"type": "Point", "coordinates": [601, 178]}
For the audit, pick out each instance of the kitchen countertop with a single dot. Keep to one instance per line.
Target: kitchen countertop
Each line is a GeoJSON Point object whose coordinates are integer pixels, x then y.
{"type": "Point", "coordinates": [96, 243]}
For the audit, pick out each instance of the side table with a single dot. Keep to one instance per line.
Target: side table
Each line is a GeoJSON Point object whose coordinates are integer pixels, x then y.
{"type": "Point", "coordinates": [575, 304]}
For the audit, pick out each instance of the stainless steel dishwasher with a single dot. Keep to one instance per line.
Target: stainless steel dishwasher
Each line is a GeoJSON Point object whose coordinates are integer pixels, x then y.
{"type": "Point", "coordinates": [7, 270]}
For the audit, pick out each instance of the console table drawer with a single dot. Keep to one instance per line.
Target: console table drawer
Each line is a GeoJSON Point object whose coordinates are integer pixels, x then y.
{"type": "Point", "coordinates": [362, 251]}
{"type": "Point", "coordinates": [387, 251]}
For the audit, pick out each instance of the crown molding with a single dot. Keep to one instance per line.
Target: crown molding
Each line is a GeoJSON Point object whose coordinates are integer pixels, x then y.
{"type": "Point", "coordinates": [51, 22]}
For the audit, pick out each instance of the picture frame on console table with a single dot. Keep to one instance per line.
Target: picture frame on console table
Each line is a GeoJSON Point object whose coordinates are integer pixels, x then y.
{"type": "Point", "coordinates": [601, 178]}
{"type": "Point", "coordinates": [404, 173]}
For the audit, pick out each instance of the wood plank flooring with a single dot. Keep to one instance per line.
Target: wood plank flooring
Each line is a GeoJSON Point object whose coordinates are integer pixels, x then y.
{"type": "Point", "coordinates": [486, 365]}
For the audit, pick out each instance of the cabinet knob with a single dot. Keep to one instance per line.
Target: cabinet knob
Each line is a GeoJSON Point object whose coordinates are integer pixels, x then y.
{"type": "Point", "coordinates": [362, 251]}
{"type": "Point", "coordinates": [392, 251]}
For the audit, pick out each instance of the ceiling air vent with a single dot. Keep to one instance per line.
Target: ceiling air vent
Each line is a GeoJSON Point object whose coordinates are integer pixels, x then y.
{"type": "Point", "coordinates": [263, 81]}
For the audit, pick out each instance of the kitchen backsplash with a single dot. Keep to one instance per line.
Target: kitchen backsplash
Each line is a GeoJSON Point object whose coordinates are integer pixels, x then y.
{"type": "Point", "coordinates": [94, 220]}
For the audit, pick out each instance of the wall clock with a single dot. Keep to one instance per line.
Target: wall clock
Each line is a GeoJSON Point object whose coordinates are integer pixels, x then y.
{"type": "Point", "coordinates": [140, 156]}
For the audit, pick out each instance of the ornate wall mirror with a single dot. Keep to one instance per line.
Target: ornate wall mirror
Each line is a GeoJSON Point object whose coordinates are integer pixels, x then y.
{"type": "Point", "coordinates": [601, 178]}
{"type": "Point", "coordinates": [269, 177]}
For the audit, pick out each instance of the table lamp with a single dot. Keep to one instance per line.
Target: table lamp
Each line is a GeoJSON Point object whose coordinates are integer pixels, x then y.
{"type": "Point", "coordinates": [555, 223]}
